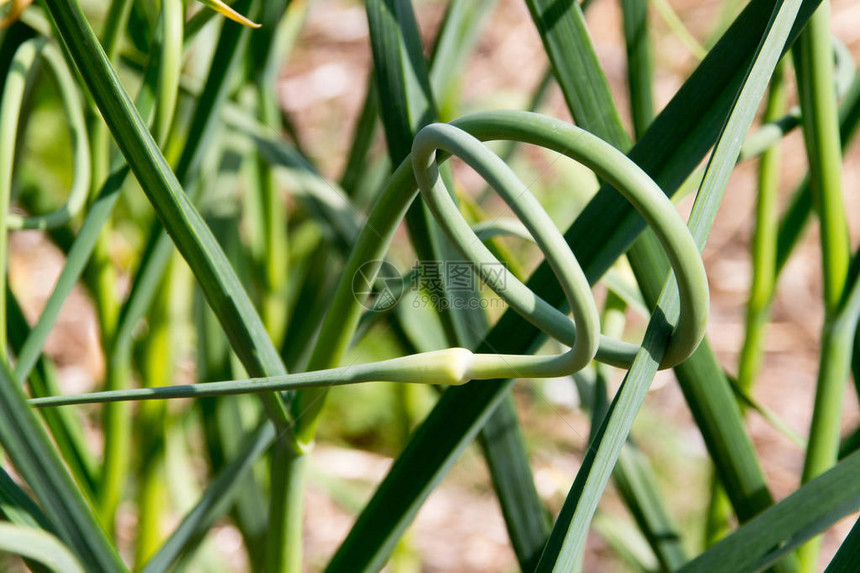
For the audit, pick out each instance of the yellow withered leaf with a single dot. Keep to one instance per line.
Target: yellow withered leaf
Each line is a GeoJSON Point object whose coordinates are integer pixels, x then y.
{"type": "Point", "coordinates": [224, 9]}
{"type": "Point", "coordinates": [14, 12]}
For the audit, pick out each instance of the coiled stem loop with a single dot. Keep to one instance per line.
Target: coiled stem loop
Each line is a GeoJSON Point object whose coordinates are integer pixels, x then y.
{"type": "Point", "coordinates": [24, 65]}
{"type": "Point", "coordinates": [550, 240]}
{"type": "Point", "coordinates": [463, 138]}
{"type": "Point", "coordinates": [609, 164]}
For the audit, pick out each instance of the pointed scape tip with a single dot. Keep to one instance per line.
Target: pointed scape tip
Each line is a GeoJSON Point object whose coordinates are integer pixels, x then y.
{"type": "Point", "coordinates": [224, 9]}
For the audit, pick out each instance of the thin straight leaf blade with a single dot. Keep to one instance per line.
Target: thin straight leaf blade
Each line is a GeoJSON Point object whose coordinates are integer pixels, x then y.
{"type": "Point", "coordinates": [784, 526]}
{"type": "Point", "coordinates": [505, 451]}
{"type": "Point", "coordinates": [847, 559]}
{"type": "Point", "coordinates": [640, 65]}
{"type": "Point", "coordinates": [215, 501]}
{"type": "Point", "coordinates": [592, 106]}
{"type": "Point", "coordinates": [38, 545]}
{"type": "Point", "coordinates": [406, 85]}
{"type": "Point", "coordinates": [191, 235]}
{"type": "Point", "coordinates": [570, 531]}
{"type": "Point", "coordinates": [565, 37]}
{"type": "Point", "coordinates": [31, 451]}
{"type": "Point", "coordinates": [225, 10]}
{"type": "Point", "coordinates": [64, 427]}
{"type": "Point", "coordinates": [563, 551]}
{"type": "Point", "coordinates": [17, 506]}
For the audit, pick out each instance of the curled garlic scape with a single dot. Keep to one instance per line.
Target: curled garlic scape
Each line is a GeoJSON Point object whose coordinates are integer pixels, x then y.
{"type": "Point", "coordinates": [419, 174]}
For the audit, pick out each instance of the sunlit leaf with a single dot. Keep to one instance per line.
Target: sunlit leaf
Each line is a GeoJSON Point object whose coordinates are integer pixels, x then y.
{"type": "Point", "coordinates": [225, 10]}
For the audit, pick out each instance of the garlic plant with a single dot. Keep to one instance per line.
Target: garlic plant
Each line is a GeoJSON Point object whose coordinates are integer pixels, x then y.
{"type": "Point", "coordinates": [278, 280]}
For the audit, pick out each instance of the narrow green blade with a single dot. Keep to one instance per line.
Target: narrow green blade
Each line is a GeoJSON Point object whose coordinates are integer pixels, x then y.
{"type": "Point", "coordinates": [406, 93]}
{"type": "Point", "coordinates": [225, 10]}
{"type": "Point", "coordinates": [782, 527]}
{"type": "Point", "coordinates": [847, 559]}
{"type": "Point", "coordinates": [565, 37]}
{"type": "Point", "coordinates": [36, 460]}
{"type": "Point", "coordinates": [38, 545]}
{"type": "Point", "coordinates": [17, 506]}
{"type": "Point", "coordinates": [219, 496]}
{"type": "Point", "coordinates": [505, 451]}
{"type": "Point", "coordinates": [191, 235]}
{"type": "Point", "coordinates": [592, 106]}
{"type": "Point", "coordinates": [640, 64]}
{"type": "Point", "coordinates": [66, 430]}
